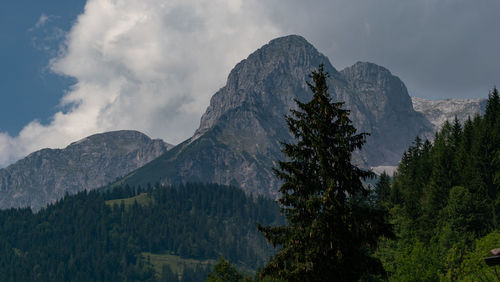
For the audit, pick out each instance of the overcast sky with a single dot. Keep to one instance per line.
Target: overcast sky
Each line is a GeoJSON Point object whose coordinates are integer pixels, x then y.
{"type": "Point", "coordinates": [74, 68]}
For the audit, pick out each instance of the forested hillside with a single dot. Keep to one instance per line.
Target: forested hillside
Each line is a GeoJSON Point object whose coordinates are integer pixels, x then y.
{"type": "Point", "coordinates": [96, 236]}
{"type": "Point", "coordinates": [445, 203]}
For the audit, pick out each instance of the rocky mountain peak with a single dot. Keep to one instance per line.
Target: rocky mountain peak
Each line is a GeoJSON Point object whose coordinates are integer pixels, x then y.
{"type": "Point", "coordinates": [271, 76]}
{"type": "Point", "coordinates": [46, 175]}
{"type": "Point", "coordinates": [380, 105]}
{"type": "Point", "coordinates": [381, 90]}
{"type": "Point", "coordinates": [116, 142]}
{"type": "Point", "coordinates": [238, 141]}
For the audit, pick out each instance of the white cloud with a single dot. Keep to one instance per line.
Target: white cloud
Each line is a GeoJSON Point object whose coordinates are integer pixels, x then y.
{"type": "Point", "coordinates": [42, 20]}
{"type": "Point", "coordinates": [149, 65]}
{"type": "Point", "coordinates": [152, 65]}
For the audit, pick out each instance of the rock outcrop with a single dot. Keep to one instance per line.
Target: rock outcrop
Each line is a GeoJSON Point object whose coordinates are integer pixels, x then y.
{"type": "Point", "coordinates": [440, 111]}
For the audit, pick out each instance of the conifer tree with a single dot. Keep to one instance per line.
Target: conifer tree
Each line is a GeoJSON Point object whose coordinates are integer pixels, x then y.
{"type": "Point", "coordinates": [331, 227]}
{"type": "Point", "coordinates": [224, 272]}
{"type": "Point", "coordinates": [383, 189]}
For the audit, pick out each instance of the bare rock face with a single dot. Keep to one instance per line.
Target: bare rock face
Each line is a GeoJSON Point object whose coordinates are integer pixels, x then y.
{"type": "Point", "coordinates": [440, 111]}
{"type": "Point", "coordinates": [238, 141]}
{"type": "Point", "coordinates": [381, 106]}
{"type": "Point", "coordinates": [46, 175]}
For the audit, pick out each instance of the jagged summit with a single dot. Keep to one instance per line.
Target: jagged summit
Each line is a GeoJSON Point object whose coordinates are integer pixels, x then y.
{"type": "Point", "coordinates": [238, 141]}
{"type": "Point", "coordinates": [283, 64]}
{"type": "Point", "coordinates": [367, 77]}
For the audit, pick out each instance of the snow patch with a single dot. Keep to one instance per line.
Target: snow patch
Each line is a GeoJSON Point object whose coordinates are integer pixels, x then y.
{"type": "Point", "coordinates": [384, 168]}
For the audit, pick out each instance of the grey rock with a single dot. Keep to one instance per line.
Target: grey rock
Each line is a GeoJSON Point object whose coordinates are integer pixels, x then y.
{"type": "Point", "coordinates": [47, 175]}
{"type": "Point", "coordinates": [238, 141]}
{"type": "Point", "coordinates": [440, 111]}
{"type": "Point", "coordinates": [380, 105]}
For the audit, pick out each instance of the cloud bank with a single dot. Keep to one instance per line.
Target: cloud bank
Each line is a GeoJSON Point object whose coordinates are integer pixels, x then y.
{"type": "Point", "coordinates": [152, 65]}
{"type": "Point", "coordinates": [148, 65]}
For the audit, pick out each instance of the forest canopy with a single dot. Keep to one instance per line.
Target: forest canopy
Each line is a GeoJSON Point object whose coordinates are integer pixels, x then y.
{"type": "Point", "coordinates": [445, 203]}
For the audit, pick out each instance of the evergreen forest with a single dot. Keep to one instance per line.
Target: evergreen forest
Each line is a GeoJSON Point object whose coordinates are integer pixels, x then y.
{"type": "Point", "coordinates": [444, 203]}
{"type": "Point", "coordinates": [115, 235]}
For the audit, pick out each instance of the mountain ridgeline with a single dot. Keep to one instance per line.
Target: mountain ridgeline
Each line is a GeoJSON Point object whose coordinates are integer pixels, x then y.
{"type": "Point", "coordinates": [440, 111]}
{"type": "Point", "coordinates": [47, 175]}
{"type": "Point", "coordinates": [238, 141]}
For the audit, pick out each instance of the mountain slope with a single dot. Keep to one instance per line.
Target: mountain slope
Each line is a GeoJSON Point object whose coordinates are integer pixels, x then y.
{"type": "Point", "coordinates": [439, 111]}
{"type": "Point", "coordinates": [46, 175]}
{"type": "Point", "coordinates": [381, 106]}
{"type": "Point", "coordinates": [238, 141]}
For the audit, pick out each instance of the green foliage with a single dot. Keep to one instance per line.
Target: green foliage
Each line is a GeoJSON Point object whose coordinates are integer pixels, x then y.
{"type": "Point", "coordinates": [224, 272]}
{"type": "Point", "coordinates": [444, 196]}
{"type": "Point", "coordinates": [167, 275]}
{"type": "Point", "coordinates": [418, 263]}
{"type": "Point", "coordinates": [176, 264]}
{"type": "Point", "coordinates": [474, 267]}
{"type": "Point", "coordinates": [332, 227]}
{"type": "Point", "coordinates": [142, 199]}
{"type": "Point", "coordinates": [88, 237]}
{"type": "Point", "coordinates": [383, 189]}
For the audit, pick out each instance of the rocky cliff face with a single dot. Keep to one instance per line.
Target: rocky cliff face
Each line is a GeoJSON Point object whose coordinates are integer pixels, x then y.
{"type": "Point", "coordinates": [238, 141]}
{"type": "Point", "coordinates": [439, 111]}
{"type": "Point", "coordinates": [381, 106]}
{"type": "Point", "coordinates": [46, 175]}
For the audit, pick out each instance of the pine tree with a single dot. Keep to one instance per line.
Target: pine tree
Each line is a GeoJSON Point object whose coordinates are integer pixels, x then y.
{"type": "Point", "coordinates": [224, 272]}
{"type": "Point", "coordinates": [383, 189]}
{"type": "Point", "coordinates": [331, 227]}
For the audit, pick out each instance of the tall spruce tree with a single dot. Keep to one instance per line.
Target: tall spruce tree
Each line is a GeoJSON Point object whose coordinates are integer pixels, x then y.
{"type": "Point", "coordinates": [383, 189]}
{"type": "Point", "coordinates": [331, 226]}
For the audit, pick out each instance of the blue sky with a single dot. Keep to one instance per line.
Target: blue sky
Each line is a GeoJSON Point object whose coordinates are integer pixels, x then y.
{"type": "Point", "coordinates": [28, 89]}
{"type": "Point", "coordinates": [70, 69]}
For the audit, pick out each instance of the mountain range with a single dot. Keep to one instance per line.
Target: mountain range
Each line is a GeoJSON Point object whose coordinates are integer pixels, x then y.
{"type": "Point", "coordinates": [440, 111]}
{"type": "Point", "coordinates": [47, 175]}
{"type": "Point", "coordinates": [239, 138]}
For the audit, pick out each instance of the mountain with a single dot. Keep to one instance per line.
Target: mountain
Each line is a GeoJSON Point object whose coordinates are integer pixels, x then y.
{"type": "Point", "coordinates": [46, 175]}
{"type": "Point", "coordinates": [238, 141]}
{"type": "Point", "coordinates": [439, 111]}
{"type": "Point", "coordinates": [380, 105]}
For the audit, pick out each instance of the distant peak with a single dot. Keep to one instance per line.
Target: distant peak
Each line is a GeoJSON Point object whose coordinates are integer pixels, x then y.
{"type": "Point", "coordinates": [289, 43]}
{"type": "Point", "coordinates": [288, 52]}
{"type": "Point", "coordinates": [293, 38]}
{"type": "Point", "coordinates": [365, 67]}
{"type": "Point", "coordinates": [112, 135]}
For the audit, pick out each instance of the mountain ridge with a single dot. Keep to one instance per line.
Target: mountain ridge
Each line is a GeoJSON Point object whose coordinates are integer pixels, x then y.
{"type": "Point", "coordinates": [48, 174]}
{"type": "Point", "coordinates": [238, 140]}
{"type": "Point", "coordinates": [439, 111]}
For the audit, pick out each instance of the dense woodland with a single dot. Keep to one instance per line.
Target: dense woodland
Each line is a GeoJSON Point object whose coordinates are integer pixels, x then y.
{"type": "Point", "coordinates": [89, 237]}
{"type": "Point", "coordinates": [444, 203]}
